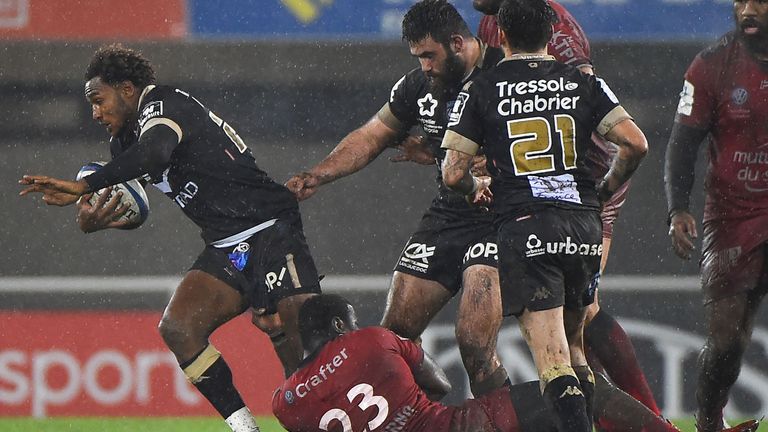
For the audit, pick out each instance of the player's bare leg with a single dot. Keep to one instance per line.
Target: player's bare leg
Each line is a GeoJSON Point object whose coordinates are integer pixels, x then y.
{"type": "Point", "coordinates": [609, 343]}
{"type": "Point", "coordinates": [412, 303]}
{"type": "Point", "coordinates": [545, 333]}
{"type": "Point", "coordinates": [200, 304]}
{"type": "Point", "coordinates": [290, 349]}
{"type": "Point", "coordinates": [730, 322]}
{"type": "Point", "coordinates": [283, 332]}
{"type": "Point", "coordinates": [477, 328]}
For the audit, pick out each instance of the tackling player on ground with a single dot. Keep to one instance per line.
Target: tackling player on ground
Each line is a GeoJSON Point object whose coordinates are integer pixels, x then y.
{"type": "Point", "coordinates": [251, 225]}
{"type": "Point", "coordinates": [725, 98]}
{"type": "Point", "coordinates": [534, 116]}
{"type": "Point", "coordinates": [454, 245]}
{"type": "Point", "coordinates": [605, 340]}
{"type": "Point", "coordinates": [371, 379]}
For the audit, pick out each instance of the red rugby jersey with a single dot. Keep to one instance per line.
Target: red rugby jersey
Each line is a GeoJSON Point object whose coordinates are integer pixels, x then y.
{"type": "Point", "coordinates": [726, 93]}
{"type": "Point", "coordinates": [360, 381]}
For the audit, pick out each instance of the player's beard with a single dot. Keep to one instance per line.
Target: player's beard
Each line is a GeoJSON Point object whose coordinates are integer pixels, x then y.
{"type": "Point", "coordinates": [758, 42]}
{"type": "Point", "coordinates": [451, 77]}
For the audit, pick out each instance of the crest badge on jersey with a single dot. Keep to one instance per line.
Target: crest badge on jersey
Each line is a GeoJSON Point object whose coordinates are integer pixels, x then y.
{"type": "Point", "coordinates": [739, 96]}
{"type": "Point", "coordinates": [427, 105]}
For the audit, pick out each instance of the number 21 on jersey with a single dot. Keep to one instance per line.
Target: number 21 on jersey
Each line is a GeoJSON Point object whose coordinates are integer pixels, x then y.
{"type": "Point", "coordinates": [531, 148]}
{"type": "Point", "coordinates": [369, 400]}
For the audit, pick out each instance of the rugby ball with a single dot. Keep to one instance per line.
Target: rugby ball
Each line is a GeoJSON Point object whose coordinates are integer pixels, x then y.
{"type": "Point", "coordinates": [133, 194]}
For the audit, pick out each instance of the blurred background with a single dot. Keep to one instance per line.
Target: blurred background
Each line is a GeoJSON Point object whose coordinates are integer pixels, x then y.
{"type": "Point", "coordinates": [293, 77]}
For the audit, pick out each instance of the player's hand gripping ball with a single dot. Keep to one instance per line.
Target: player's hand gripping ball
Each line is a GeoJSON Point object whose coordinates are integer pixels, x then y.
{"type": "Point", "coordinates": [133, 194]}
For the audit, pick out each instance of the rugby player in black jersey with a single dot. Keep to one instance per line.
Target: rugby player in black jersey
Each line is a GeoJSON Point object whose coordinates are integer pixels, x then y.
{"type": "Point", "coordinates": [454, 245]}
{"type": "Point", "coordinates": [255, 253]}
{"type": "Point", "coordinates": [533, 117]}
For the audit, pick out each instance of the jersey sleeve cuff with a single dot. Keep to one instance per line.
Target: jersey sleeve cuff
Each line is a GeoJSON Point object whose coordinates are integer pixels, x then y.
{"type": "Point", "coordinates": [614, 117]}
{"type": "Point", "coordinates": [455, 141]}
{"type": "Point", "coordinates": [166, 122]}
{"type": "Point", "coordinates": [387, 117]}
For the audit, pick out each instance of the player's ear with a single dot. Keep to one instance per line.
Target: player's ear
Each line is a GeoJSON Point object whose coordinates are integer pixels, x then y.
{"type": "Point", "coordinates": [457, 43]}
{"type": "Point", "coordinates": [338, 325]}
{"type": "Point", "coordinates": [127, 88]}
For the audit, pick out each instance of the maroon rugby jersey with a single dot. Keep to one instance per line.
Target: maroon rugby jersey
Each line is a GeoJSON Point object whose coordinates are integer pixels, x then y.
{"type": "Point", "coordinates": [726, 93]}
{"type": "Point", "coordinates": [360, 381]}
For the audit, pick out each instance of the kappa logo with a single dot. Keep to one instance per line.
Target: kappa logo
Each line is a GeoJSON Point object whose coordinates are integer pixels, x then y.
{"type": "Point", "coordinates": [571, 391]}
{"type": "Point", "coordinates": [416, 256]}
{"type": "Point", "coordinates": [541, 293]}
{"type": "Point", "coordinates": [274, 279]}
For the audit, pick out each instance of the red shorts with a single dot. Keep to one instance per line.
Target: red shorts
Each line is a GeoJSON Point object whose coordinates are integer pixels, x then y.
{"type": "Point", "coordinates": [491, 412]}
{"type": "Point", "coordinates": [733, 259]}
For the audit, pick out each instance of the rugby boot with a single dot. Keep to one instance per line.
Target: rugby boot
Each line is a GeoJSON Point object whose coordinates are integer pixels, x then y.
{"type": "Point", "coordinates": [747, 426]}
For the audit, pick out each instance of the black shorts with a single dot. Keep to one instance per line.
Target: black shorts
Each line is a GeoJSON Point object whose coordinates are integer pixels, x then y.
{"type": "Point", "coordinates": [443, 247]}
{"type": "Point", "coordinates": [273, 264]}
{"type": "Point", "coordinates": [549, 257]}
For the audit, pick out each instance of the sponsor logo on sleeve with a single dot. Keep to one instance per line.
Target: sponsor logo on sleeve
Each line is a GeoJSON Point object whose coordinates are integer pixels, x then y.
{"type": "Point", "coordinates": [150, 111]}
{"type": "Point", "coordinates": [454, 116]}
{"type": "Point", "coordinates": [685, 106]}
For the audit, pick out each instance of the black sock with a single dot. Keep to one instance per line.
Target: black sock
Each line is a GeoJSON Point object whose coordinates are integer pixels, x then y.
{"type": "Point", "coordinates": [587, 383]}
{"type": "Point", "coordinates": [217, 386]}
{"type": "Point", "coordinates": [565, 400]}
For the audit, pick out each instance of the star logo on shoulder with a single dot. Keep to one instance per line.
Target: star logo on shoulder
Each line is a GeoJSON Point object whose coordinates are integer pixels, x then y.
{"type": "Point", "coordinates": [427, 105]}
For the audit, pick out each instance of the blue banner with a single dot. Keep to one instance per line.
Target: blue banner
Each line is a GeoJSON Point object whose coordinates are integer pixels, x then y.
{"type": "Point", "coordinates": [380, 19]}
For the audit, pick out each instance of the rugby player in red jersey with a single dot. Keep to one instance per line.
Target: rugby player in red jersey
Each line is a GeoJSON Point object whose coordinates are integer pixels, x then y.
{"type": "Point", "coordinates": [371, 379]}
{"type": "Point", "coordinates": [605, 340]}
{"type": "Point", "coordinates": [725, 98]}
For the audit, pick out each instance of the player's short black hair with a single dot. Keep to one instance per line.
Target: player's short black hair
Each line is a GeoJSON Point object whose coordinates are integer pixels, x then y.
{"type": "Point", "coordinates": [527, 23]}
{"type": "Point", "coordinates": [115, 64]}
{"type": "Point", "coordinates": [316, 313]}
{"type": "Point", "coordinates": [436, 18]}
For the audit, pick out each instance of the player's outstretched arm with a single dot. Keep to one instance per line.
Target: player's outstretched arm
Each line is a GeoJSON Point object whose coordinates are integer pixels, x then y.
{"type": "Point", "coordinates": [432, 379]}
{"type": "Point", "coordinates": [679, 167]}
{"type": "Point", "coordinates": [55, 191]}
{"type": "Point", "coordinates": [352, 154]}
{"type": "Point", "coordinates": [457, 176]}
{"type": "Point", "coordinates": [103, 214]}
{"type": "Point", "coordinates": [632, 149]}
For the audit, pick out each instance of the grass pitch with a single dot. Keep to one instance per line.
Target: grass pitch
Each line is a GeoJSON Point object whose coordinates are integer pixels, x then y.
{"type": "Point", "coordinates": [199, 424]}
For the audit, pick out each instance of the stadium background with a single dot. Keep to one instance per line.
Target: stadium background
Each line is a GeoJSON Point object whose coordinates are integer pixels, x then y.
{"type": "Point", "coordinates": [78, 312]}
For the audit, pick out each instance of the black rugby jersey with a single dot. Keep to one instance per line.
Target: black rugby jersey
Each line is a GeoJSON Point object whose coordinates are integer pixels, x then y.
{"type": "Point", "coordinates": [412, 102]}
{"type": "Point", "coordinates": [211, 173]}
{"type": "Point", "coordinates": [533, 117]}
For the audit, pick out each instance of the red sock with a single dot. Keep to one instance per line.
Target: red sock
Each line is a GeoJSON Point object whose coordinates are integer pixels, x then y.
{"type": "Point", "coordinates": [607, 341]}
